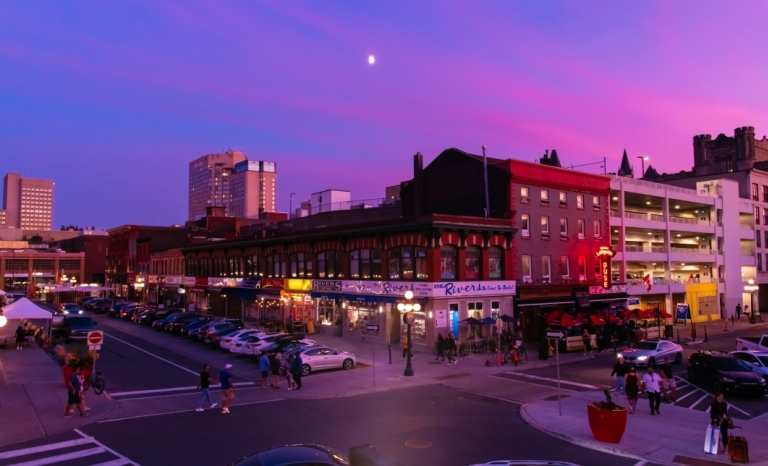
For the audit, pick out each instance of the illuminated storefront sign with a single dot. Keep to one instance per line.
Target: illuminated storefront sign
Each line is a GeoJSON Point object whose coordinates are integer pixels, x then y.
{"type": "Point", "coordinates": [605, 254]}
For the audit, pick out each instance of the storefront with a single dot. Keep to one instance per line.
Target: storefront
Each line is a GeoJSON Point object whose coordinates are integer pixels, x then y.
{"type": "Point", "coordinates": [327, 306]}
{"type": "Point", "coordinates": [299, 300]}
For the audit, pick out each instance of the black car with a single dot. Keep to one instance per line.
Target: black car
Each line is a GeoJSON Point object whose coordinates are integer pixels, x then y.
{"type": "Point", "coordinates": [183, 320]}
{"type": "Point", "coordinates": [149, 317]}
{"type": "Point", "coordinates": [214, 326]}
{"type": "Point", "coordinates": [101, 306]}
{"type": "Point", "coordinates": [170, 319]}
{"type": "Point", "coordinates": [725, 373]}
{"type": "Point", "coordinates": [191, 328]}
{"type": "Point", "coordinates": [115, 309]}
{"type": "Point", "coordinates": [315, 455]}
{"type": "Point", "coordinates": [77, 327]}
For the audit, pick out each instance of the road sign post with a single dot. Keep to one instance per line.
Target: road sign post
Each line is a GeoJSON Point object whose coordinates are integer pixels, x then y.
{"type": "Point", "coordinates": [557, 336]}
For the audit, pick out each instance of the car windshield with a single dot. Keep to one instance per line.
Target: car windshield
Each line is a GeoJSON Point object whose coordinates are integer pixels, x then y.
{"type": "Point", "coordinates": [70, 306]}
{"type": "Point", "coordinates": [763, 359]}
{"type": "Point", "coordinates": [646, 345]}
{"type": "Point", "coordinates": [731, 365]}
{"type": "Point", "coordinates": [79, 321]}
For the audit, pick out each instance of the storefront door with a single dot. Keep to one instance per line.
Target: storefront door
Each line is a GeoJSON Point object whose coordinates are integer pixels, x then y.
{"type": "Point", "coordinates": [455, 323]}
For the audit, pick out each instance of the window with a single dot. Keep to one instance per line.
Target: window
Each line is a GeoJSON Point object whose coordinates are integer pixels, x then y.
{"type": "Point", "coordinates": [365, 264]}
{"type": "Point", "coordinates": [408, 263]}
{"type": "Point", "coordinates": [448, 263]}
{"type": "Point", "coordinates": [495, 263]}
{"type": "Point", "coordinates": [565, 267]}
{"type": "Point", "coordinates": [580, 201]}
{"type": "Point", "coordinates": [757, 215]}
{"type": "Point", "coordinates": [546, 268]}
{"type": "Point", "coordinates": [563, 227]}
{"type": "Point", "coordinates": [329, 265]}
{"type": "Point", "coordinates": [759, 262]}
{"type": "Point", "coordinates": [545, 226]}
{"type": "Point", "coordinates": [582, 268]}
{"type": "Point", "coordinates": [766, 239]}
{"type": "Point", "coordinates": [301, 266]}
{"type": "Point", "coordinates": [253, 265]}
{"type": "Point", "coordinates": [495, 309]}
{"type": "Point", "coordinates": [580, 228]}
{"type": "Point", "coordinates": [276, 265]}
{"type": "Point", "coordinates": [765, 216]}
{"type": "Point", "coordinates": [526, 268]}
{"type": "Point", "coordinates": [595, 202]}
{"type": "Point", "coordinates": [765, 193]}
{"type": "Point", "coordinates": [472, 262]}
{"type": "Point", "coordinates": [758, 238]}
{"type": "Point", "coordinates": [525, 197]}
{"type": "Point", "coordinates": [598, 227]}
{"type": "Point", "coordinates": [563, 199]}
{"type": "Point", "coordinates": [525, 225]}
{"type": "Point", "coordinates": [544, 197]}
{"type": "Point", "coordinates": [755, 196]}
{"type": "Point", "coordinates": [597, 268]}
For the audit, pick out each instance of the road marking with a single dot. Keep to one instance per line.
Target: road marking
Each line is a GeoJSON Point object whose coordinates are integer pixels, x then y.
{"type": "Point", "coordinates": [185, 411]}
{"type": "Point", "coordinates": [151, 354]}
{"type": "Point", "coordinates": [699, 400]}
{"type": "Point", "coordinates": [488, 396]}
{"type": "Point", "coordinates": [687, 395]}
{"type": "Point", "coordinates": [730, 405]}
{"type": "Point", "coordinates": [63, 457]}
{"type": "Point", "coordinates": [176, 389]}
{"type": "Point", "coordinates": [567, 382]}
{"type": "Point", "coordinates": [43, 448]}
{"type": "Point", "coordinates": [117, 462]}
{"type": "Point", "coordinates": [126, 460]}
{"type": "Point", "coordinates": [641, 463]}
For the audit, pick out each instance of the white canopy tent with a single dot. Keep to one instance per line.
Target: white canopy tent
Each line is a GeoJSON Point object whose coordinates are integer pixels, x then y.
{"type": "Point", "coordinates": [25, 309]}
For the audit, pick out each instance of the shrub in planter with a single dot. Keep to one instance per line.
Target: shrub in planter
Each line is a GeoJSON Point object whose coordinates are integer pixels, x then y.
{"type": "Point", "coordinates": [607, 420]}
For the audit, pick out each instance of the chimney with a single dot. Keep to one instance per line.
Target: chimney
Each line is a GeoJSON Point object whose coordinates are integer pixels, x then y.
{"type": "Point", "coordinates": [418, 184]}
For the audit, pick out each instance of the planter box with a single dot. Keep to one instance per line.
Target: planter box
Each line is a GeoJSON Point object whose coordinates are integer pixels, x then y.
{"type": "Point", "coordinates": [607, 425]}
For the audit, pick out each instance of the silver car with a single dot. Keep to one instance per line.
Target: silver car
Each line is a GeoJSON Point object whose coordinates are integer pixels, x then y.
{"type": "Point", "coordinates": [758, 359]}
{"type": "Point", "coordinates": [317, 358]}
{"type": "Point", "coordinates": [653, 352]}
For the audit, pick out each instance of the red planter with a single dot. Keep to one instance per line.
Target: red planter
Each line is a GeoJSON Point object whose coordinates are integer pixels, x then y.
{"type": "Point", "coordinates": [607, 425]}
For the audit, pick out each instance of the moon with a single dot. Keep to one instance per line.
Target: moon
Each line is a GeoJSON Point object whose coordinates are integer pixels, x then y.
{"type": "Point", "coordinates": [371, 59]}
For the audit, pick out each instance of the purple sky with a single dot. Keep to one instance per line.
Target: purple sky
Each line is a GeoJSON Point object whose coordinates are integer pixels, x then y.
{"type": "Point", "coordinates": [113, 99]}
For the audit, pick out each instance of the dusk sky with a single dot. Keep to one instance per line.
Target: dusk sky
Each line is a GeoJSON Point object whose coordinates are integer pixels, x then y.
{"type": "Point", "coordinates": [112, 100]}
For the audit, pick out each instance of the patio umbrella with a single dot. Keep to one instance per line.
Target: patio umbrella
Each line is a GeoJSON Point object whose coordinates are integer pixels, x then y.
{"type": "Point", "coordinates": [488, 321]}
{"type": "Point", "coordinates": [658, 314]}
{"type": "Point", "coordinates": [506, 319]}
{"type": "Point", "coordinates": [471, 321]}
{"type": "Point", "coordinates": [596, 320]}
{"type": "Point", "coordinates": [560, 319]}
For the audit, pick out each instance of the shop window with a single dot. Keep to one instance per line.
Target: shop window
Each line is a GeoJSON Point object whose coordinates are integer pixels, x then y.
{"type": "Point", "coordinates": [418, 329]}
{"type": "Point", "coordinates": [544, 197]}
{"type": "Point", "coordinates": [525, 225]}
{"type": "Point", "coordinates": [301, 265]}
{"type": "Point", "coordinates": [525, 195]}
{"type": "Point", "coordinates": [582, 268]}
{"type": "Point", "coordinates": [563, 199]}
{"type": "Point", "coordinates": [495, 306]}
{"type": "Point", "coordinates": [525, 268]}
{"type": "Point", "coordinates": [580, 201]}
{"type": "Point", "coordinates": [329, 265]}
{"type": "Point", "coordinates": [364, 319]}
{"type": "Point", "coordinates": [475, 310]}
{"type": "Point", "coordinates": [365, 264]}
{"type": "Point", "coordinates": [546, 269]}
{"type": "Point", "coordinates": [580, 228]}
{"type": "Point", "coordinates": [448, 263]}
{"type": "Point", "coordinates": [407, 263]}
{"type": "Point", "coordinates": [565, 267]}
{"type": "Point", "coordinates": [276, 266]}
{"type": "Point", "coordinates": [472, 262]}
{"type": "Point", "coordinates": [495, 263]}
{"type": "Point", "coordinates": [329, 312]}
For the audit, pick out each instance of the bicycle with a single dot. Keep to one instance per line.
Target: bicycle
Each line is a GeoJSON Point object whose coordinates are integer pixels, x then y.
{"type": "Point", "coordinates": [522, 356]}
{"type": "Point", "coordinates": [96, 381]}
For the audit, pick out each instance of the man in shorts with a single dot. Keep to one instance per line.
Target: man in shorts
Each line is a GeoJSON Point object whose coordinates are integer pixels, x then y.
{"type": "Point", "coordinates": [264, 367]}
{"type": "Point", "coordinates": [667, 381]}
{"type": "Point", "coordinates": [74, 391]}
{"type": "Point", "coordinates": [227, 389]}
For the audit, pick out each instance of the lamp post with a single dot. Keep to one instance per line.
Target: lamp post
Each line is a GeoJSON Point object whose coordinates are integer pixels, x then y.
{"type": "Point", "coordinates": [642, 162]}
{"type": "Point", "coordinates": [751, 288]}
{"type": "Point", "coordinates": [224, 296]}
{"type": "Point", "coordinates": [408, 318]}
{"type": "Point", "coordinates": [183, 293]}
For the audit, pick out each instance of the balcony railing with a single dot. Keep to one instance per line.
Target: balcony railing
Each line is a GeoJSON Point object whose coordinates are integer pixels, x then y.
{"type": "Point", "coordinates": [656, 218]}
{"type": "Point", "coordinates": [746, 227]}
{"type": "Point", "coordinates": [665, 187]}
{"type": "Point", "coordinates": [675, 250]}
{"type": "Point", "coordinates": [312, 209]}
{"type": "Point", "coordinates": [656, 249]}
{"type": "Point", "coordinates": [615, 213]}
{"type": "Point", "coordinates": [690, 221]}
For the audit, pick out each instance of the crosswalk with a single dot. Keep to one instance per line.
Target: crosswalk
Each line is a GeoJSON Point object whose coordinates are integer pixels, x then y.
{"type": "Point", "coordinates": [694, 397]}
{"type": "Point", "coordinates": [83, 451]}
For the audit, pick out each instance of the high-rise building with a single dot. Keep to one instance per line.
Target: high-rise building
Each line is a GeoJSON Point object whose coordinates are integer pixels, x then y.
{"type": "Point", "coordinates": [253, 188]}
{"type": "Point", "coordinates": [209, 182]}
{"type": "Point", "coordinates": [27, 202]}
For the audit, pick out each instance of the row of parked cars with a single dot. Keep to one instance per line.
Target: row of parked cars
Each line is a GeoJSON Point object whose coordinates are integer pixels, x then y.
{"type": "Point", "coordinates": [232, 335]}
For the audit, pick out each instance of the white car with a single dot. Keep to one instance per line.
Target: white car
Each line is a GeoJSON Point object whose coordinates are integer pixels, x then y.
{"type": "Point", "coordinates": [652, 353]}
{"type": "Point", "coordinates": [317, 358]}
{"type": "Point", "coordinates": [227, 342]}
{"type": "Point", "coordinates": [255, 347]}
{"type": "Point", "coordinates": [238, 346]}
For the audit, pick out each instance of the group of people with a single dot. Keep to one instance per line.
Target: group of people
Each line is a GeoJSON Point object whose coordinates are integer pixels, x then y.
{"type": "Point", "coordinates": [604, 340]}
{"type": "Point", "coordinates": [446, 346]}
{"type": "Point", "coordinates": [273, 363]}
{"type": "Point", "coordinates": [75, 396]}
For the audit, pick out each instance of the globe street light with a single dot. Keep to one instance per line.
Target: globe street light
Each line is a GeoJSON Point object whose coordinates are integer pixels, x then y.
{"type": "Point", "coordinates": [408, 320]}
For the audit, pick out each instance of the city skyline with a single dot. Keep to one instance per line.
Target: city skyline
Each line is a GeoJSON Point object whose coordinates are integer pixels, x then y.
{"type": "Point", "coordinates": [103, 98]}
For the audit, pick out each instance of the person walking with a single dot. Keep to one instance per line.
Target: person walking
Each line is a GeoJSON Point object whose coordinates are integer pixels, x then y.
{"type": "Point", "coordinates": [632, 388]}
{"type": "Point", "coordinates": [440, 347]}
{"type": "Point", "coordinates": [297, 367]}
{"type": "Point", "coordinates": [450, 349]}
{"type": "Point", "coordinates": [289, 374]}
{"type": "Point", "coordinates": [204, 384]}
{"type": "Point", "coordinates": [746, 313]}
{"type": "Point", "coordinates": [620, 371]}
{"type": "Point", "coordinates": [599, 341]}
{"type": "Point", "coordinates": [585, 341]}
{"type": "Point", "coordinates": [74, 390]}
{"type": "Point", "coordinates": [668, 381]}
{"type": "Point", "coordinates": [21, 335]}
{"type": "Point", "coordinates": [227, 389]}
{"type": "Point", "coordinates": [264, 366]}
{"type": "Point", "coordinates": [275, 363]}
{"type": "Point", "coordinates": [651, 383]}
{"type": "Point", "coordinates": [406, 346]}
{"type": "Point", "coordinates": [738, 311]}
{"type": "Point", "coordinates": [82, 393]}
{"type": "Point", "coordinates": [718, 413]}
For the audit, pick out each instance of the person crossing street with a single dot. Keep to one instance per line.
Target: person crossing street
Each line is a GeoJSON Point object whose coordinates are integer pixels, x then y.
{"type": "Point", "coordinates": [204, 386]}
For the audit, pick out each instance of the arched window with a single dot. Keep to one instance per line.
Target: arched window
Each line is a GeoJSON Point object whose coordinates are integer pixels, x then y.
{"type": "Point", "coordinates": [276, 265]}
{"type": "Point", "coordinates": [448, 263]}
{"type": "Point", "coordinates": [329, 265]}
{"type": "Point", "coordinates": [365, 264]}
{"type": "Point", "coordinates": [495, 263]}
{"type": "Point", "coordinates": [407, 263]}
{"type": "Point", "coordinates": [301, 265]}
{"type": "Point", "coordinates": [253, 265]}
{"type": "Point", "coordinates": [472, 262]}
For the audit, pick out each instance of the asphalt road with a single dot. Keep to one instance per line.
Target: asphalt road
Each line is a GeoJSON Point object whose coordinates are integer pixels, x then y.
{"type": "Point", "coordinates": [453, 427]}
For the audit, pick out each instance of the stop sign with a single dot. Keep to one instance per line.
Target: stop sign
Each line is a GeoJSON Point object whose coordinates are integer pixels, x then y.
{"type": "Point", "coordinates": [95, 338]}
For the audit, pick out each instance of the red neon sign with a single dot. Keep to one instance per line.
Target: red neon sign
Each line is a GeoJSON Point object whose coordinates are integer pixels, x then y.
{"type": "Point", "coordinates": [605, 254]}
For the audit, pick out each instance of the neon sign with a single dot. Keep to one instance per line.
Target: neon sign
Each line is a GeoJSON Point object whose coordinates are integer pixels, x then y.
{"type": "Point", "coordinates": [605, 254]}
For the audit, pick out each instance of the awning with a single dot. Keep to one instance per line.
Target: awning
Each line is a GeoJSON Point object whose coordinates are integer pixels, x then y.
{"type": "Point", "coordinates": [371, 299]}
{"type": "Point", "coordinates": [326, 295]}
{"type": "Point", "coordinates": [549, 303]}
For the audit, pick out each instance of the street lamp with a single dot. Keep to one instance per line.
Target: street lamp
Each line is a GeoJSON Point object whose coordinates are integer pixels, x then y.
{"type": "Point", "coordinates": [642, 162]}
{"type": "Point", "coordinates": [225, 305]}
{"type": "Point", "coordinates": [751, 288]}
{"type": "Point", "coordinates": [408, 318]}
{"type": "Point", "coordinates": [183, 292]}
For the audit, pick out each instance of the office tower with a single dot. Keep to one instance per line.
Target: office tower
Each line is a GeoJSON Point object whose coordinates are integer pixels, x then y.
{"type": "Point", "coordinates": [253, 188]}
{"type": "Point", "coordinates": [209, 182]}
{"type": "Point", "coordinates": [27, 202]}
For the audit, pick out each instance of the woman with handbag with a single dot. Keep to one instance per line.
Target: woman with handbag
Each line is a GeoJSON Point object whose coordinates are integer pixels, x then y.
{"type": "Point", "coordinates": [718, 413]}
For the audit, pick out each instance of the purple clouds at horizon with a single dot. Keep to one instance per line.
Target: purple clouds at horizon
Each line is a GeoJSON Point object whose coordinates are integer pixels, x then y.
{"type": "Point", "coordinates": [113, 100]}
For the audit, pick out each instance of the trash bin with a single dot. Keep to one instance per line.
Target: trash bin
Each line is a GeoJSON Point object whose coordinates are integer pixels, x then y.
{"type": "Point", "coordinates": [544, 349]}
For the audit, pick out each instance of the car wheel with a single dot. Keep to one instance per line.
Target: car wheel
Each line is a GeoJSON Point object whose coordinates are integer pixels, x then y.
{"type": "Point", "coordinates": [652, 362]}
{"type": "Point", "coordinates": [305, 370]}
{"type": "Point", "coordinates": [348, 364]}
{"type": "Point", "coordinates": [678, 358]}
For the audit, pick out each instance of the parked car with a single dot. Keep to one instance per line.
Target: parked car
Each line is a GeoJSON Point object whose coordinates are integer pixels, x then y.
{"type": "Point", "coordinates": [285, 343]}
{"type": "Point", "coordinates": [151, 315]}
{"type": "Point", "coordinates": [71, 308]}
{"type": "Point", "coordinates": [162, 324]}
{"type": "Point", "coordinates": [191, 328]}
{"type": "Point", "coordinates": [114, 311]}
{"type": "Point", "coordinates": [752, 343]}
{"type": "Point", "coordinates": [183, 319]}
{"type": "Point", "coordinates": [316, 455]}
{"type": "Point", "coordinates": [214, 338]}
{"type": "Point", "coordinates": [214, 326]}
{"type": "Point", "coordinates": [101, 306]}
{"type": "Point", "coordinates": [239, 346]}
{"type": "Point", "coordinates": [127, 312]}
{"type": "Point", "coordinates": [257, 343]}
{"type": "Point", "coordinates": [757, 359]}
{"type": "Point", "coordinates": [725, 373]}
{"type": "Point", "coordinates": [240, 335]}
{"type": "Point", "coordinates": [653, 352]}
{"type": "Point", "coordinates": [78, 327]}
{"type": "Point", "coordinates": [85, 299]}
{"type": "Point", "coordinates": [317, 358]}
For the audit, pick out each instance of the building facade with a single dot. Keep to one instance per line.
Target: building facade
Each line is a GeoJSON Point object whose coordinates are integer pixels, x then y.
{"type": "Point", "coordinates": [94, 245]}
{"type": "Point", "coordinates": [210, 182]}
{"type": "Point", "coordinates": [253, 188]}
{"type": "Point", "coordinates": [27, 202]}
{"type": "Point", "coordinates": [25, 269]}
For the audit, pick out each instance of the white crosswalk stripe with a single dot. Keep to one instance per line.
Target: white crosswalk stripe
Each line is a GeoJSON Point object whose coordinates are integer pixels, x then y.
{"type": "Point", "coordinates": [86, 451]}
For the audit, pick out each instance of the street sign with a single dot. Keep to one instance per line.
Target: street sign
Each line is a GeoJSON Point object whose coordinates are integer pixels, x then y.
{"type": "Point", "coordinates": [374, 328]}
{"type": "Point", "coordinates": [95, 337]}
{"type": "Point", "coordinates": [555, 334]}
{"type": "Point", "coordinates": [409, 318]}
{"type": "Point", "coordinates": [94, 347]}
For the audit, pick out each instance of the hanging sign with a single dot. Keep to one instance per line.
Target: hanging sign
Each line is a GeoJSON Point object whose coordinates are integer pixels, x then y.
{"type": "Point", "coordinates": [605, 254]}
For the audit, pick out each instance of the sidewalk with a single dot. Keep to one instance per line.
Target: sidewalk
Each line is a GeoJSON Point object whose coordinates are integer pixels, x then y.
{"type": "Point", "coordinates": [33, 396]}
{"type": "Point", "coordinates": [674, 437]}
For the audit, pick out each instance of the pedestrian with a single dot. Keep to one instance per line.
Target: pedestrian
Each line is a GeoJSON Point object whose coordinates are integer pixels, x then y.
{"type": "Point", "coordinates": [275, 363]}
{"type": "Point", "coordinates": [21, 335]}
{"type": "Point", "coordinates": [738, 311]}
{"type": "Point", "coordinates": [440, 347]}
{"type": "Point", "coordinates": [620, 371]}
{"type": "Point", "coordinates": [289, 374]}
{"type": "Point", "coordinates": [82, 393]}
{"type": "Point", "coordinates": [668, 381]}
{"type": "Point", "coordinates": [203, 385]}
{"type": "Point", "coordinates": [227, 389]}
{"type": "Point", "coordinates": [405, 345]}
{"type": "Point", "coordinates": [585, 340]}
{"type": "Point", "coordinates": [651, 383]}
{"type": "Point", "coordinates": [599, 341]}
{"type": "Point", "coordinates": [74, 390]}
{"type": "Point", "coordinates": [746, 313]}
{"type": "Point", "coordinates": [450, 349]}
{"type": "Point", "coordinates": [264, 366]}
{"type": "Point", "coordinates": [632, 388]}
{"type": "Point", "coordinates": [718, 413]}
{"type": "Point", "coordinates": [297, 367]}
